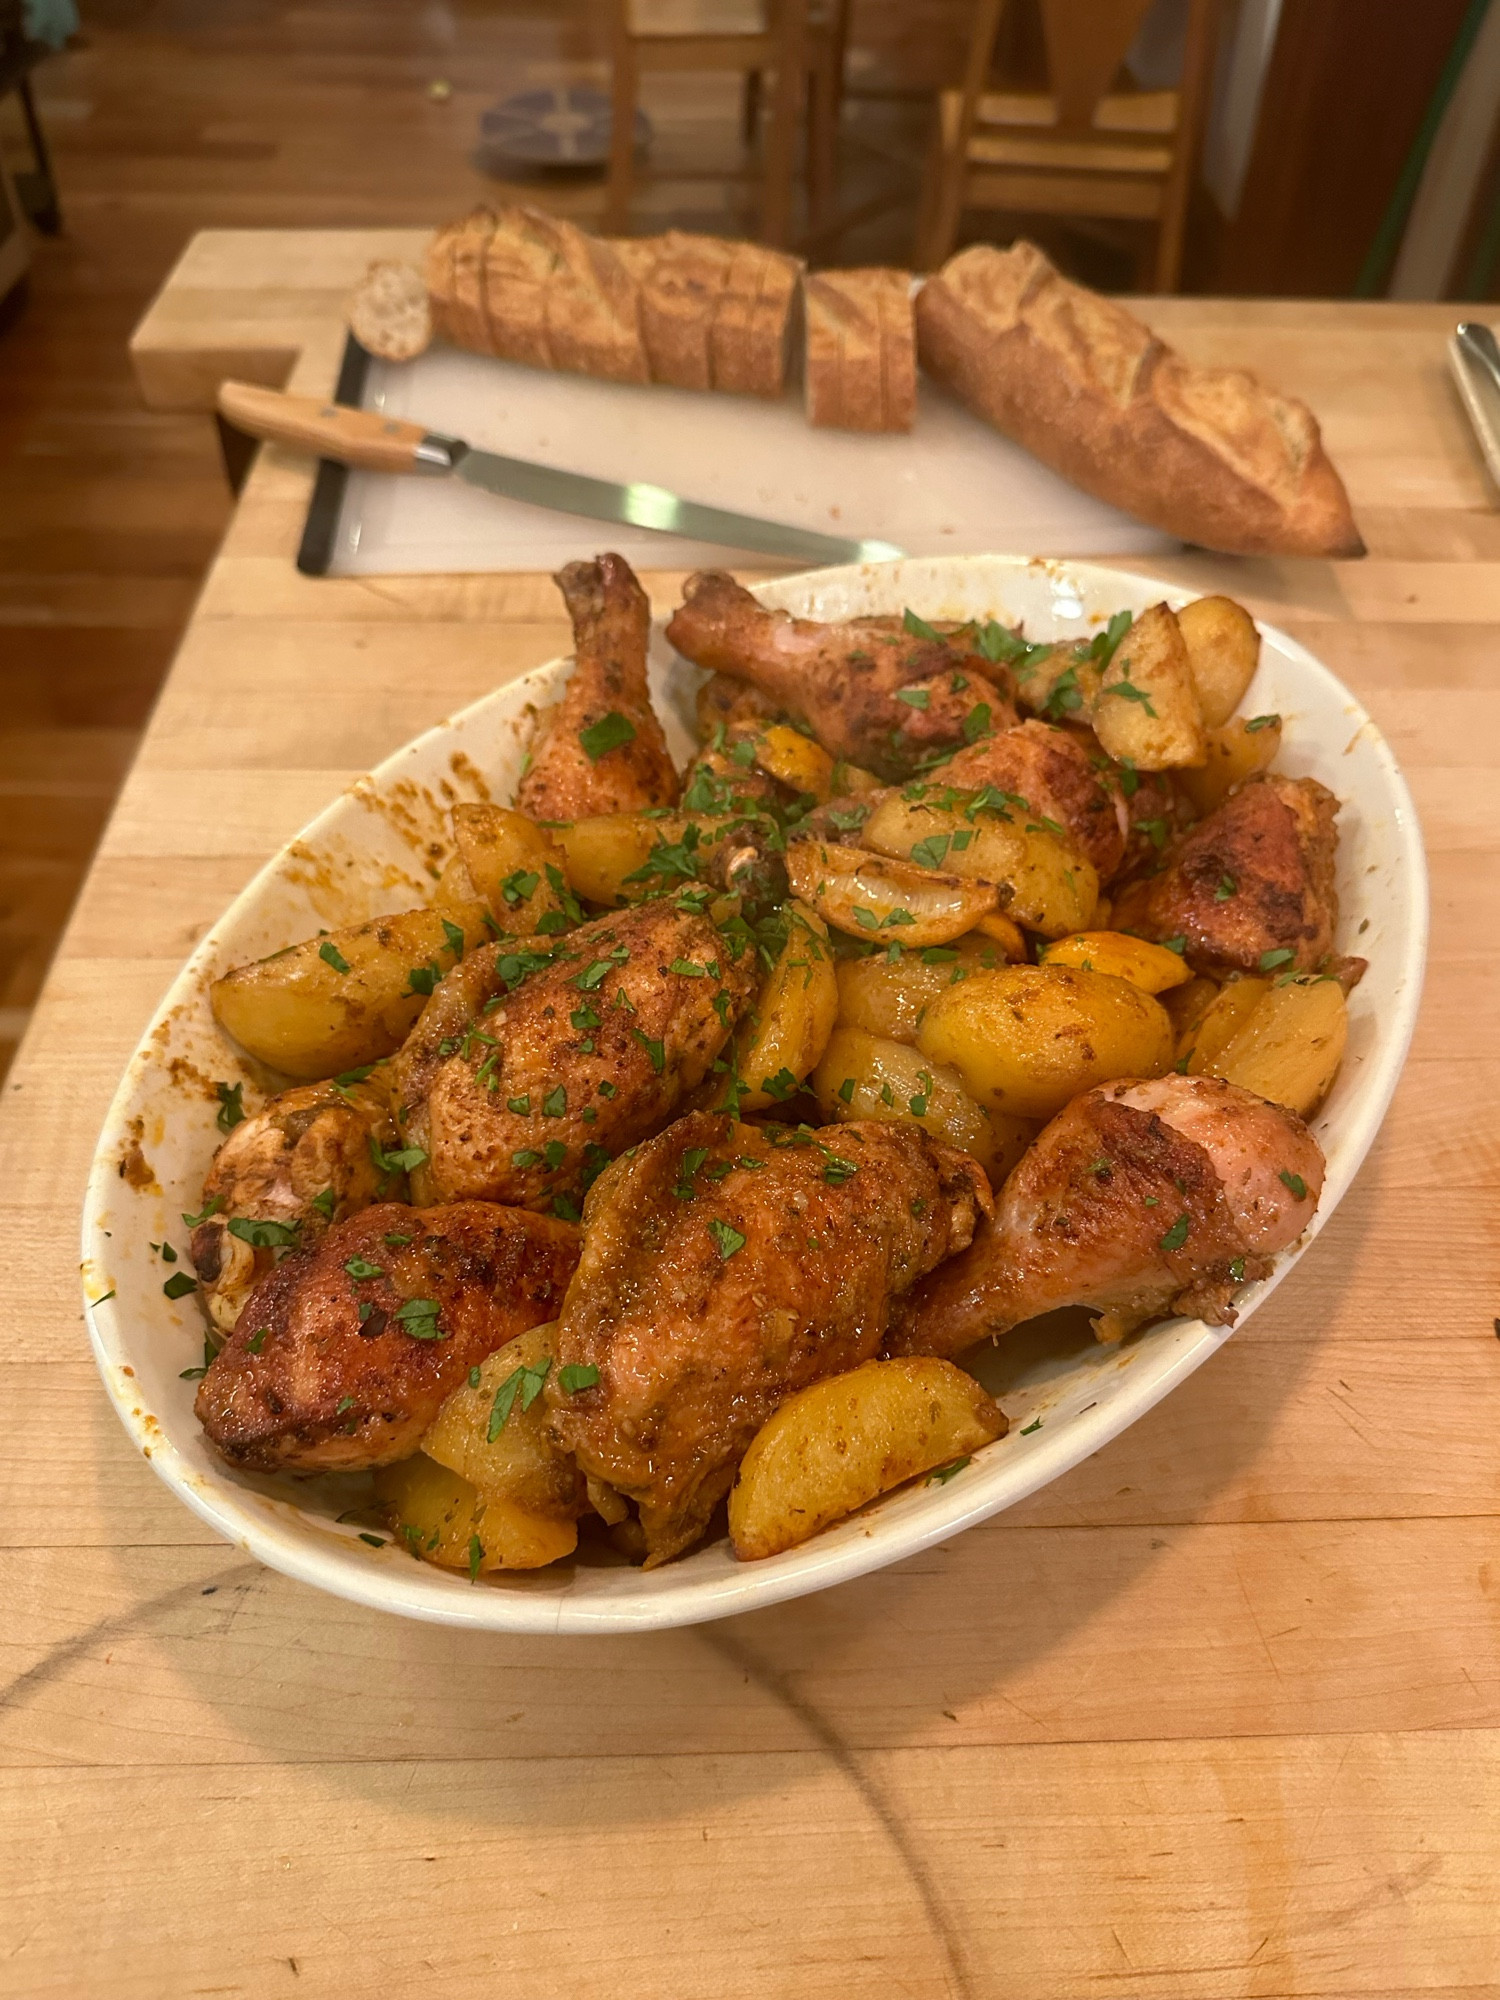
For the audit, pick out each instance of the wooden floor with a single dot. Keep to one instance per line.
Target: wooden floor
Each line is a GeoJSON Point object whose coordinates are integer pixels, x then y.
{"type": "Point", "coordinates": [176, 115]}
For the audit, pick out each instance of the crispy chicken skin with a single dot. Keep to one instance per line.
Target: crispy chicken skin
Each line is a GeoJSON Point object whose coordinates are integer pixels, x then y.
{"type": "Point", "coordinates": [1254, 877]}
{"type": "Point", "coordinates": [302, 1161]}
{"type": "Point", "coordinates": [611, 630]}
{"type": "Point", "coordinates": [725, 1266]}
{"type": "Point", "coordinates": [1051, 770]}
{"type": "Point", "coordinates": [846, 681]}
{"type": "Point", "coordinates": [305, 1385]}
{"type": "Point", "coordinates": [1138, 1199]}
{"type": "Point", "coordinates": [522, 1096]}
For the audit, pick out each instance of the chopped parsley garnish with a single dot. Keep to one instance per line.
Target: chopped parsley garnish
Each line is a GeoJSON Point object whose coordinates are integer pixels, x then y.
{"type": "Point", "coordinates": [654, 1049]}
{"type": "Point", "coordinates": [584, 1017]}
{"type": "Point", "coordinates": [1177, 1235]}
{"type": "Point", "coordinates": [1295, 1182]}
{"type": "Point", "coordinates": [554, 1153]}
{"type": "Point", "coordinates": [210, 1207]}
{"type": "Point", "coordinates": [1102, 646]}
{"type": "Point", "coordinates": [521, 1106]}
{"type": "Point", "coordinates": [374, 1541]}
{"type": "Point", "coordinates": [1257, 722]}
{"type": "Point", "coordinates": [523, 1382]}
{"type": "Point", "coordinates": [330, 954]}
{"type": "Point", "coordinates": [231, 1110]}
{"type": "Point", "coordinates": [324, 1203]}
{"type": "Point", "coordinates": [933, 851]}
{"type": "Point", "coordinates": [265, 1235]}
{"type": "Point", "coordinates": [688, 969]}
{"type": "Point", "coordinates": [179, 1285]}
{"type": "Point", "coordinates": [422, 979]}
{"type": "Point", "coordinates": [453, 934]}
{"type": "Point", "coordinates": [726, 1238]}
{"type": "Point", "coordinates": [555, 1103]}
{"type": "Point", "coordinates": [420, 1319]}
{"type": "Point", "coordinates": [1237, 1270]}
{"type": "Point", "coordinates": [576, 1376]}
{"type": "Point", "coordinates": [1064, 696]}
{"type": "Point", "coordinates": [846, 1090]}
{"type": "Point", "coordinates": [610, 732]}
{"type": "Point", "coordinates": [1034, 1425]}
{"type": "Point", "coordinates": [780, 1086]}
{"type": "Point", "coordinates": [527, 1157]}
{"type": "Point", "coordinates": [395, 1237]}
{"type": "Point", "coordinates": [566, 1209]}
{"type": "Point", "coordinates": [518, 886]}
{"type": "Point", "coordinates": [1269, 960]}
{"type": "Point", "coordinates": [361, 1267]}
{"type": "Point", "coordinates": [344, 1403]}
{"type": "Point", "coordinates": [1100, 1166]}
{"type": "Point", "coordinates": [1227, 886]}
{"type": "Point", "coordinates": [919, 627]}
{"type": "Point", "coordinates": [476, 1557]}
{"type": "Point", "coordinates": [941, 1474]}
{"type": "Point", "coordinates": [593, 976]}
{"type": "Point", "coordinates": [914, 697]}
{"type": "Point", "coordinates": [837, 1170]}
{"type": "Point", "coordinates": [401, 1162]}
{"type": "Point", "coordinates": [977, 721]}
{"type": "Point", "coordinates": [1177, 944]}
{"type": "Point", "coordinates": [257, 1341]}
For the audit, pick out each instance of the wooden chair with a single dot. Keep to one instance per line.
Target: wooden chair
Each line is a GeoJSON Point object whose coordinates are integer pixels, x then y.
{"type": "Point", "coordinates": [1081, 149]}
{"type": "Point", "coordinates": [800, 43]}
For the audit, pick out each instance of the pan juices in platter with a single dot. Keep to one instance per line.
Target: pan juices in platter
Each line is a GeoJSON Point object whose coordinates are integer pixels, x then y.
{"type": "Point", "coordinates": [610, 1208]}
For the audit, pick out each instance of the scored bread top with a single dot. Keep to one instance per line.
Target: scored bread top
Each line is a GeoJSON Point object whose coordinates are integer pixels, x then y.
{"type": "Point", "coordinates": [558, 298]}
{"type": "Point", "coordinates": [1210, 454]}
{"type": "Point", "coordinates": [714, 314]}
{"type": "Point", "coordinates": [861, 359]}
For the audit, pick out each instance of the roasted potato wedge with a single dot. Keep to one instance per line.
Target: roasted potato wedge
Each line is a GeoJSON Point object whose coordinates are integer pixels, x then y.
{"type": "Point", "coordinates": [864, 894]}
{"type": "Point", "coordinates": [871, 1076]}
{"type": "Point", "coordinates": [337, 1002]}
{"type": "Point", "coordinates": [1057, 682]}
{"type": "Point", "coordinates": [886, 996]}
{"type": "Point", "coordinates": [997, 928]}
{"type": "Point", "coordinates": [1186, 1006]}
{"type": "Point", "coordinates": [795, 760]}
{"type": "Point", "coordinates": [1147, 707]}
{"type": "Point", "coordinates": [1290, 1048]}
{"type": "Point", "coordinates": [604, 852]}
{"type": "Point", "coordinates": [1228, 1011]}
{"type": "Point", "coordinates": [788, 1028]}
{"type": "Point", "coordinates": [1051, 887]}
{"type": "Point", "coordinates": [832, 1447]}
{"type": "Point", "coordinates": [1150, 966]}
{"type": "Point", "coordinates": [1235, 752]}
{"type": "Point", "coordinates": [445, 1519]}
{"type": "Point", "coordinates": [1223, 649]}
{"type": "Point", "coordinates": [517, 868]}
{"type": "Point", "coordinates": [494, 1433]}
{"type": "Point", "coordinates": [1029, 1038]}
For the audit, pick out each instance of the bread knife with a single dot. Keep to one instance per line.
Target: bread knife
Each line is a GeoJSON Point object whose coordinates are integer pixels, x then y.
{"type": "Point", "coordinates": [1475, 360]}
{"type": "Point", "coordinates": [375, 443]}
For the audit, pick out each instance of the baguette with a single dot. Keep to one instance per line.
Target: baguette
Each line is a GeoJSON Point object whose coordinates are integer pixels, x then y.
{"type": "Point", "coordinates": [390, 312]}
{"type": "Point", "coordinates": [714, 314]}
{"type": "Point", "coordinates": [437, 269]}
{"type": "Point", "coordinates": [1209, 454]}
{"type": "Point", "coordinates": [471, 326]}
{"type": "Point", "coordinates": [557, 298]}
{"type": "Point", "coordinates": [861, 356]}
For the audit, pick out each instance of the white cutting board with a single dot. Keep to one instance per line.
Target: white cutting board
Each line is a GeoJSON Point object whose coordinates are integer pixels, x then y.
{"type": "Point", "coordinates": [952, 486]}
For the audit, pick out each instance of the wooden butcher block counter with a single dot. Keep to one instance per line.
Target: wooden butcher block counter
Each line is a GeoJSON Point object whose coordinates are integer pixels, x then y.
{"type": "Point", "coordinates": [1217, 1714]}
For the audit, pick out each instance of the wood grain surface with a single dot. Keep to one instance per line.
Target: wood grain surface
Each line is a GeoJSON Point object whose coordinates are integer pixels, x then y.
{"type": "Point", "coordinates": [1216, 1715]}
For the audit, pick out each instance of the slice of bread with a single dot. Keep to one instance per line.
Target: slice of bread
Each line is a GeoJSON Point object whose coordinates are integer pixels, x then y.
{"type": "Point", "coordinates": [438, 271]}
{"type": "Point", "coordinates": [558, 298]}
{"type": "Point", "coordinates": [389, 312]}
{"type": "Point", "coordinates": [471, 327]}
{"type": "Point", "coordinates": [1210, 454]}
{"type": "Point", "coordinates": [752, 325]}
{"type": "Point", "coordinates": [860, 372]}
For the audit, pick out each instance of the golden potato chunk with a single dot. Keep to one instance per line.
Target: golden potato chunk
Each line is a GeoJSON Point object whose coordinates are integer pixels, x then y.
{"type": "Point", "coordinates": [1235, 752]}
{"type": "Point", "coordinates": [788, 1027]}
{"type": "Point", "coordinates": [517, 868]}
{"type": "Point", "coordinates": [866, 894]}
{"type": "Point", "coordinates": [604, 852]}
{"type": "Point", "coordinates": [1044, 881]}
{"type": "Point", "coordinates": [1150, 966]}
{"type": "Point", "coordinates": [1290, 1048]}
{"type": "Point", "coordinates": [1219, 1023]}
{"type": "Point", "coordinates": [1223, 649]}
{"type": "Point", "coordinates": [887, 996]}
{"type": "Point", "coordinates": [841, 1443]}
{"type": "Point", "coordinates": [338, 1002]}
{"type": "Point", "coordinates": [870, 1076]}
{"type": "Point", "coordinates": [1146, 712]}
{"type": "Point", "coordinates": [1029, 1038]}
{"type": "Point", "coordinates": [445, 1519]}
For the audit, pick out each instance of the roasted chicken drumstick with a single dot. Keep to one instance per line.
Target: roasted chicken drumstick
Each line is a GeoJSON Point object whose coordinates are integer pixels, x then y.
{"type": "Point", "coordinates": [1138, 1199]}
{"type": "Point", "coordinates": [725, 1266]}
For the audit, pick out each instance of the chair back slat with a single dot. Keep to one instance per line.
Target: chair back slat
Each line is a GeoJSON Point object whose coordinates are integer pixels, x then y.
{"type": "Point", "coordinates": [1087, 40]}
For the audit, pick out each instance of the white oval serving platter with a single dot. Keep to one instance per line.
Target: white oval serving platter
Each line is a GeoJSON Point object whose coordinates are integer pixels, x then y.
{"type": "Point", "coordinates": [376, 849]}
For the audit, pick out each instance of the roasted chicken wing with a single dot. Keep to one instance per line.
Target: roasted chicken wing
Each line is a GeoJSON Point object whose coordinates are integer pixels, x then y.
{"type": "Point", "coordinates": [725, 1266]}
{"type": "Point", "coordinates": [869, 689]}
{"type": "Point", "coordinates": [534, 1063]}
{"type": "Point", "coordinates": [1051, 770]}
{"type": "Point", "coordinates": [345, 1351]}
{"type": "Point", "coordinates": [1252, 887]}
{"type": "Point", "coordinates": [601, 750]}
{"type": "Point", "coordinates": [1138, 1199]}
{"type": "Point", "coordinates": [302, 1162]}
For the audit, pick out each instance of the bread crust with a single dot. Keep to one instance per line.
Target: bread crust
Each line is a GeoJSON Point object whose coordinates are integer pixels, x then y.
{"type": "Point", "coordinates": [390, 312]}
{"type": "Point", "coordinates": [861, 350]}
{"type": "Point", "coordinates": [437, 269]}
{"type": "Point", "coordinates": [1209, 454]}
{"type": "Point", "coordinates": [557, 298]}
{"type": "Point", "coordinates": [714, 314]}
{"type": "Point", "coordinates": [471, 328]}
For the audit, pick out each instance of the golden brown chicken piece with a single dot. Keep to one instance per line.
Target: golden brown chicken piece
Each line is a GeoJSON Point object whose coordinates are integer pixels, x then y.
{"type": "Point", "coordinates": [868, 689]}
{"type": "Point", "coordinates": [530, 1067]}
{"type": "Point", "coordinates": [1251, 888]}
{"type": "Point", "coordinates": [284, 1174]}
{"type": "Point", "coordinates": [1050, 769]}
{"type": "Point", "coordinates": [345, 1351]}
{"type": "Point", "coordinates": [601, 749]}
{"type": "Point", "coordinates": [726, 1265]}
{"type": "Point", "coordinates": [1138, 1199]}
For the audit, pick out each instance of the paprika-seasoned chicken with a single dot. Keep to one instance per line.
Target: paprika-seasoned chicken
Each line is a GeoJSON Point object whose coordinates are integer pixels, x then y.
{"type": "Point", "coordinates": [284, 1174]}
{"type": "Point", "coordinates": [1251, 888]}
{"type": "Point", "coordinates": [1138, 1199]}
{"type": "Point", "coordinates": [725, 1266]}
{"type": "Point", "coordinates": [870, 690]}
{"type": "Point", "coordinates": [533, 1064]}
{"type": "Point", "coordinates": [1051, 770]}
{"type": "Point", "coordinates": [601, 750]}
{"type": "Point", "coordinates": [345, 1351]}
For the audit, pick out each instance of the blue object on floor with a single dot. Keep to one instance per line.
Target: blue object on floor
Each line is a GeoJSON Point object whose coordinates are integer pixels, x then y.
{"type": "Point", "coordinates": [562, 126]}
{"type": "Point", "coordinates": [49, 21]}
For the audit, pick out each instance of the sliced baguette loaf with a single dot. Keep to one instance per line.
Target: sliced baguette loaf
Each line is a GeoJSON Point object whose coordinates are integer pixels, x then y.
{"type": "Point", "coordinates": [389, 313]}
{"type": "Point", "coordinates": [1209, 454]}
{"type": "Point", "coordinates": [558, 298]}
{"type": "Point", "coordinates": [861, 356]}
{"type": "Point", "coordinates": [714, 314]}
{"type": "Point", "coordinates": [437, 268]}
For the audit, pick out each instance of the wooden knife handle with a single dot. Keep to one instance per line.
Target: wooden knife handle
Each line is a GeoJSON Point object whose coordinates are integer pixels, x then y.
{"type": "Point", "coordinates": [354, 437]}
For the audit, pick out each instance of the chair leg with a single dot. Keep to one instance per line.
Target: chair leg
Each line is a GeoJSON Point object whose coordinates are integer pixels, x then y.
{"type": "Point", "coordinates": [942, 203]}
{"type": "Point", "coordinates": [620, 187]}
{"type": "Point", "coordinates": [751, 106]}
{"type": "Point", "coordinates": [786, 118]}
{"type": "Point", "coordinates": [822, 143]}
